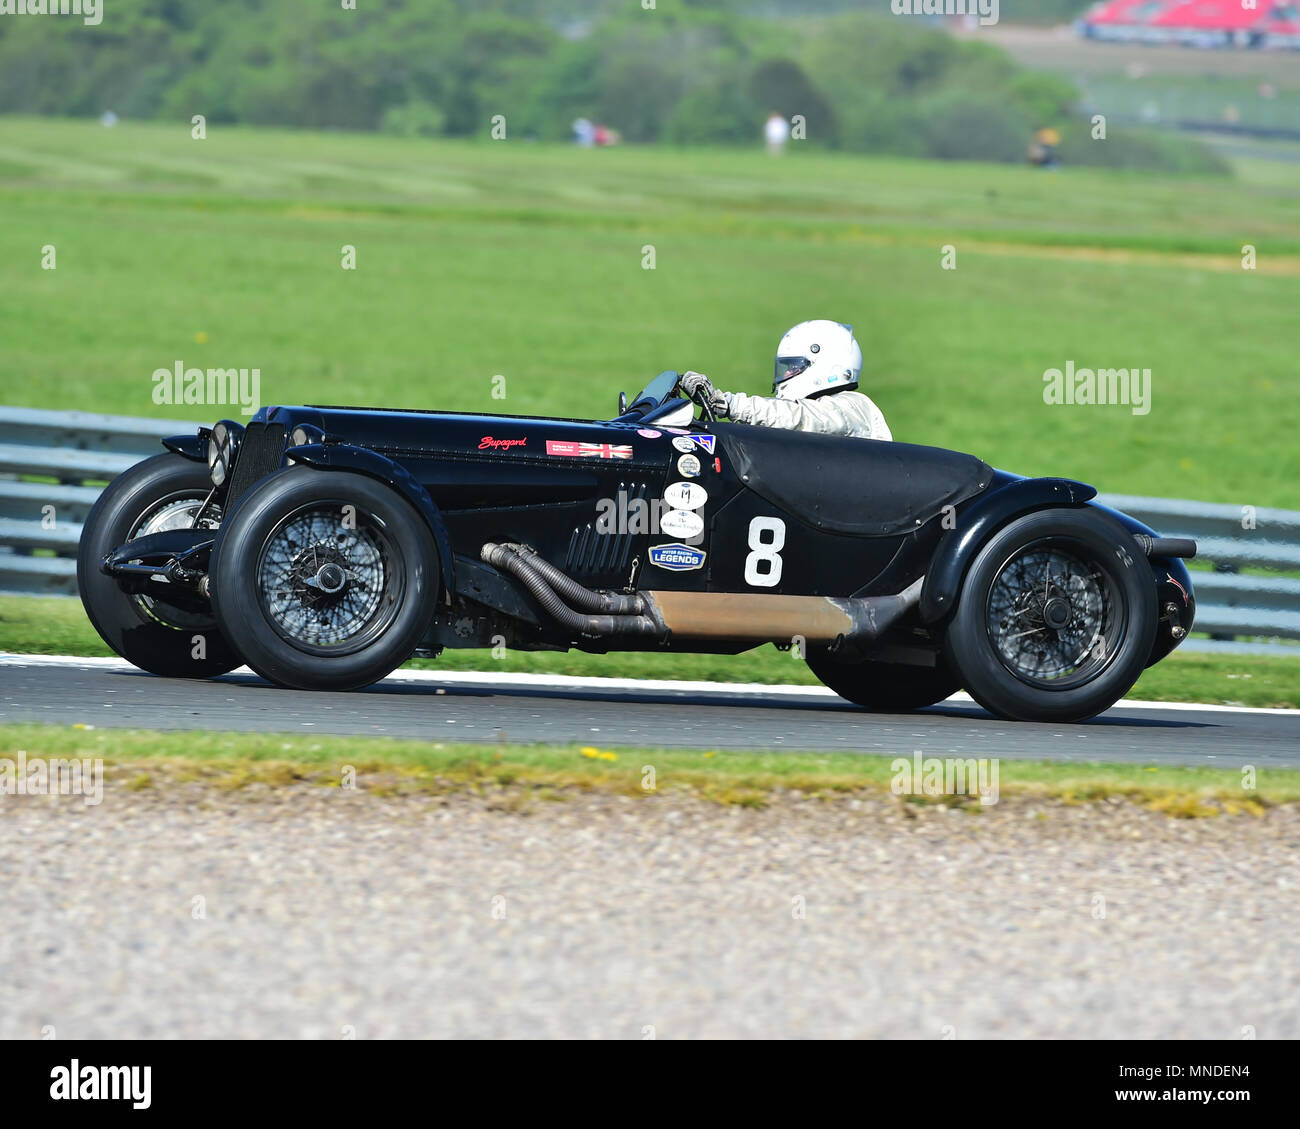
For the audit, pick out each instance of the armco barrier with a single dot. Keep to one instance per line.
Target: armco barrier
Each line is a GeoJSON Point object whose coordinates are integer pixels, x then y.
{"type": "Point", "coordinates": [1229, 602]}
{"type": "Point", "coordinates": [52, 468]}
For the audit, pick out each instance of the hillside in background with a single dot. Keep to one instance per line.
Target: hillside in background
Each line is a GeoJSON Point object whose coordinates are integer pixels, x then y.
{"type": "Point", "coordinates": [683, 73]}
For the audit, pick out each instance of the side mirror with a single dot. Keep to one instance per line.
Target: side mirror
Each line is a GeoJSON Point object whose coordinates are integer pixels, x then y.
{"type": "Point", "coordinates": [622, 403]}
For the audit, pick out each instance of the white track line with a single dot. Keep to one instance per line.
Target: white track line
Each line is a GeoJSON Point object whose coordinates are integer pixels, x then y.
{"type": "Point", "coordinates": [508, 680]}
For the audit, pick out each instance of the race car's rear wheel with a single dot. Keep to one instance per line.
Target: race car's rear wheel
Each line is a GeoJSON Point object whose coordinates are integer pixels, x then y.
{"type": "Point", "coordinates": [328, 579]}
{"type": "Point", "coordinates": [179, 638]}
{"type": "Point", "coordinates": [884, 687]}
{"type": "Point", "coordinates": [1056, 617]}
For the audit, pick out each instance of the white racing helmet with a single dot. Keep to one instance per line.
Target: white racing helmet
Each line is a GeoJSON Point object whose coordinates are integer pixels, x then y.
{"type": "Point", "coordinates": [816, 357]}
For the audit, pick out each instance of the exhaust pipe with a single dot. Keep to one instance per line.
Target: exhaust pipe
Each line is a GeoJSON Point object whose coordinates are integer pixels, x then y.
{"type": "Point", "coordinates": [718, 616]}
{"type": "Point", "coordinates": [524, 569]}
{"type": "Point", "coordinates": [575, 594]}
{"type": "Point", "coordinates": [1183, 547]}
{"type": "Point", "coordinates": [778, 619]}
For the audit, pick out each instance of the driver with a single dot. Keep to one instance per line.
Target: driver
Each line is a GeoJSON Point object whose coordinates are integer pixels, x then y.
{"type": "Point", "coordinates": [815, 387]}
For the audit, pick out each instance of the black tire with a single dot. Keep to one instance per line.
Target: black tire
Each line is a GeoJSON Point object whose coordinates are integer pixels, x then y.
{"type": "Point", "coordinates": [282, 550]}
{"type": "Point", "coordinates": [156, 636]}
{"type": "Point", "coordinates": [884, 687]}
{"type": "Point", "coordinates": [1056, 617]}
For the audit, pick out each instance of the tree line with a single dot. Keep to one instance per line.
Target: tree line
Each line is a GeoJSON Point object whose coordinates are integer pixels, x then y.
{"type": "Point", "coordinates": [687, 72]}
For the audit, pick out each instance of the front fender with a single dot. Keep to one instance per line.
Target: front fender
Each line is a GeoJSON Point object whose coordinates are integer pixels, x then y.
{"type": "Point", "coordinates": [361, 460]}
{"type": "Point", "coordinates": [191, 446]}
{"type": "Point", "coordinates": [978, 522]}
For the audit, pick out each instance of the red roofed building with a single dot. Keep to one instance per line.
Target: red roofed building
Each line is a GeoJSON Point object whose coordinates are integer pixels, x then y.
{"type": "Point", "coordinates": [1121, 21]}
{"type": "Point", "coordinates": [1200, 23]}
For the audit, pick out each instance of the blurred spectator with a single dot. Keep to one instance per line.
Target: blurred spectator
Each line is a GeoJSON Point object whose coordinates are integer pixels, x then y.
{"type": "Point", "coordinates": [588, 133]}
{"type": "Point", "coordinates": [777, 133]}
{"type": "Point", "coordinates": [1042, 150]}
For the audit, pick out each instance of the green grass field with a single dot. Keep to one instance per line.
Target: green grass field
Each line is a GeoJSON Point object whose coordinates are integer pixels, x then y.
{"type": "Point", "coordinates": [485, 258]}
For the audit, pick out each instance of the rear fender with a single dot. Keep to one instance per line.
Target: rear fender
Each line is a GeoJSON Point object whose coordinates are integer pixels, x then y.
{"type": "Point", "coordinates": [1175, 596]}
{"type": "Point", "coordinates": [976, 524]}
{"type": "Point", "coordinates": [361, 460]}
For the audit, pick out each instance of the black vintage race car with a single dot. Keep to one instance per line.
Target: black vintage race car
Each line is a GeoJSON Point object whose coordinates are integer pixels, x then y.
{"type": "Point", "coordinates": [326, 546]}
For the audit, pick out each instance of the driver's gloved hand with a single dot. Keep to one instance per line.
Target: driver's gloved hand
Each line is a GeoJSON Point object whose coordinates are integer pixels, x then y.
{"type": "Point", "coordinates": [697, 386]}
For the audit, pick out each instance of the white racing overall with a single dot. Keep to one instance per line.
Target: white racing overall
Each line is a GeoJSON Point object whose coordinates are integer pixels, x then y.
{"type": "Point", "coordinates": [847, 413]}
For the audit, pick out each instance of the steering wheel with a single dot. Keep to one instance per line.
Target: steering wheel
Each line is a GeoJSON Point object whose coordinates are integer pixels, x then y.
{"type": "Point", "coordinates": [702, 402]}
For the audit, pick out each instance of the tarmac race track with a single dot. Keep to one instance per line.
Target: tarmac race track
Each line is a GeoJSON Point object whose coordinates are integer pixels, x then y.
{"type": "Point", "coordinates": [626, 712]}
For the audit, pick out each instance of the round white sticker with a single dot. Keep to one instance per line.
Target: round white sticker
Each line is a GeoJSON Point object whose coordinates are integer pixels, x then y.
{"type": "Point", "coordinates": [682, 443]}
{"type": "Point", "coordinates": [686, 495]}
{"type": "Point", "coordinates": [688, 466]}
{"type": "Point", "coordinates": [681, 523]}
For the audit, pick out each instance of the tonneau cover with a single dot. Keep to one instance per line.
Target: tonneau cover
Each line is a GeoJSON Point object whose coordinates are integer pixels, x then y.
{"type": "Point", "coordinates": [865, 487]}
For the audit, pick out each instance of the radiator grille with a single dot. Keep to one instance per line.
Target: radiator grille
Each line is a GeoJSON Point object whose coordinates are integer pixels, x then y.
{"type": "Point", "coordinates": [259, 454]}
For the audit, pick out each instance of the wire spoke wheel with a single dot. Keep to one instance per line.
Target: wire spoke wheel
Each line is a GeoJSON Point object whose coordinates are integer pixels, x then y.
{"type": "Point", "coordinates": [1054, 614]}
{"type": "Point", "coordinates": [1056, 617]}
{"type": "Point", "coordinates": [174, 634]}
{"type": "Point", "coordinates": [177, 511]}
{"type": "Point", "coordinates": [329, 578]}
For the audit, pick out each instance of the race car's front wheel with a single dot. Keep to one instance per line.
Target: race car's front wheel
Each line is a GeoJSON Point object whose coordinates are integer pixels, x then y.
{"type": "Point", "coordinates": [884, 687]}
{"type": "Point", "coordinates": [327, 579]}
{"type": "Point", "coordinates": [1056, 617]}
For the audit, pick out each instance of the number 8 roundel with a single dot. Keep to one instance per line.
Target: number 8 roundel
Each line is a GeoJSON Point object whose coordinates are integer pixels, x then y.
{"type": "Point", "coordinates": [766, 540]}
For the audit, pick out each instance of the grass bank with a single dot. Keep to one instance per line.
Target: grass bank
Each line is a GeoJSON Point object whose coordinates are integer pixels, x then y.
{"type": "Point", "coordinates": [142, 759]}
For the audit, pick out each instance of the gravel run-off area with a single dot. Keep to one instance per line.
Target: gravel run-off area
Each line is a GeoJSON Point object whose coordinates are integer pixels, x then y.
{"type": "Point", "coordinates": [305, 912]}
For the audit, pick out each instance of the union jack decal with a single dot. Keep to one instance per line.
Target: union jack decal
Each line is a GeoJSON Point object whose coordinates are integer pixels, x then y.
{"type": "Point", "coordinates": [588, 450]}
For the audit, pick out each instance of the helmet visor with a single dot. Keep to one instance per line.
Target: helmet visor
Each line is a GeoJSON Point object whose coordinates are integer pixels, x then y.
{"type": "Point", "coordinates": [787, 367]}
